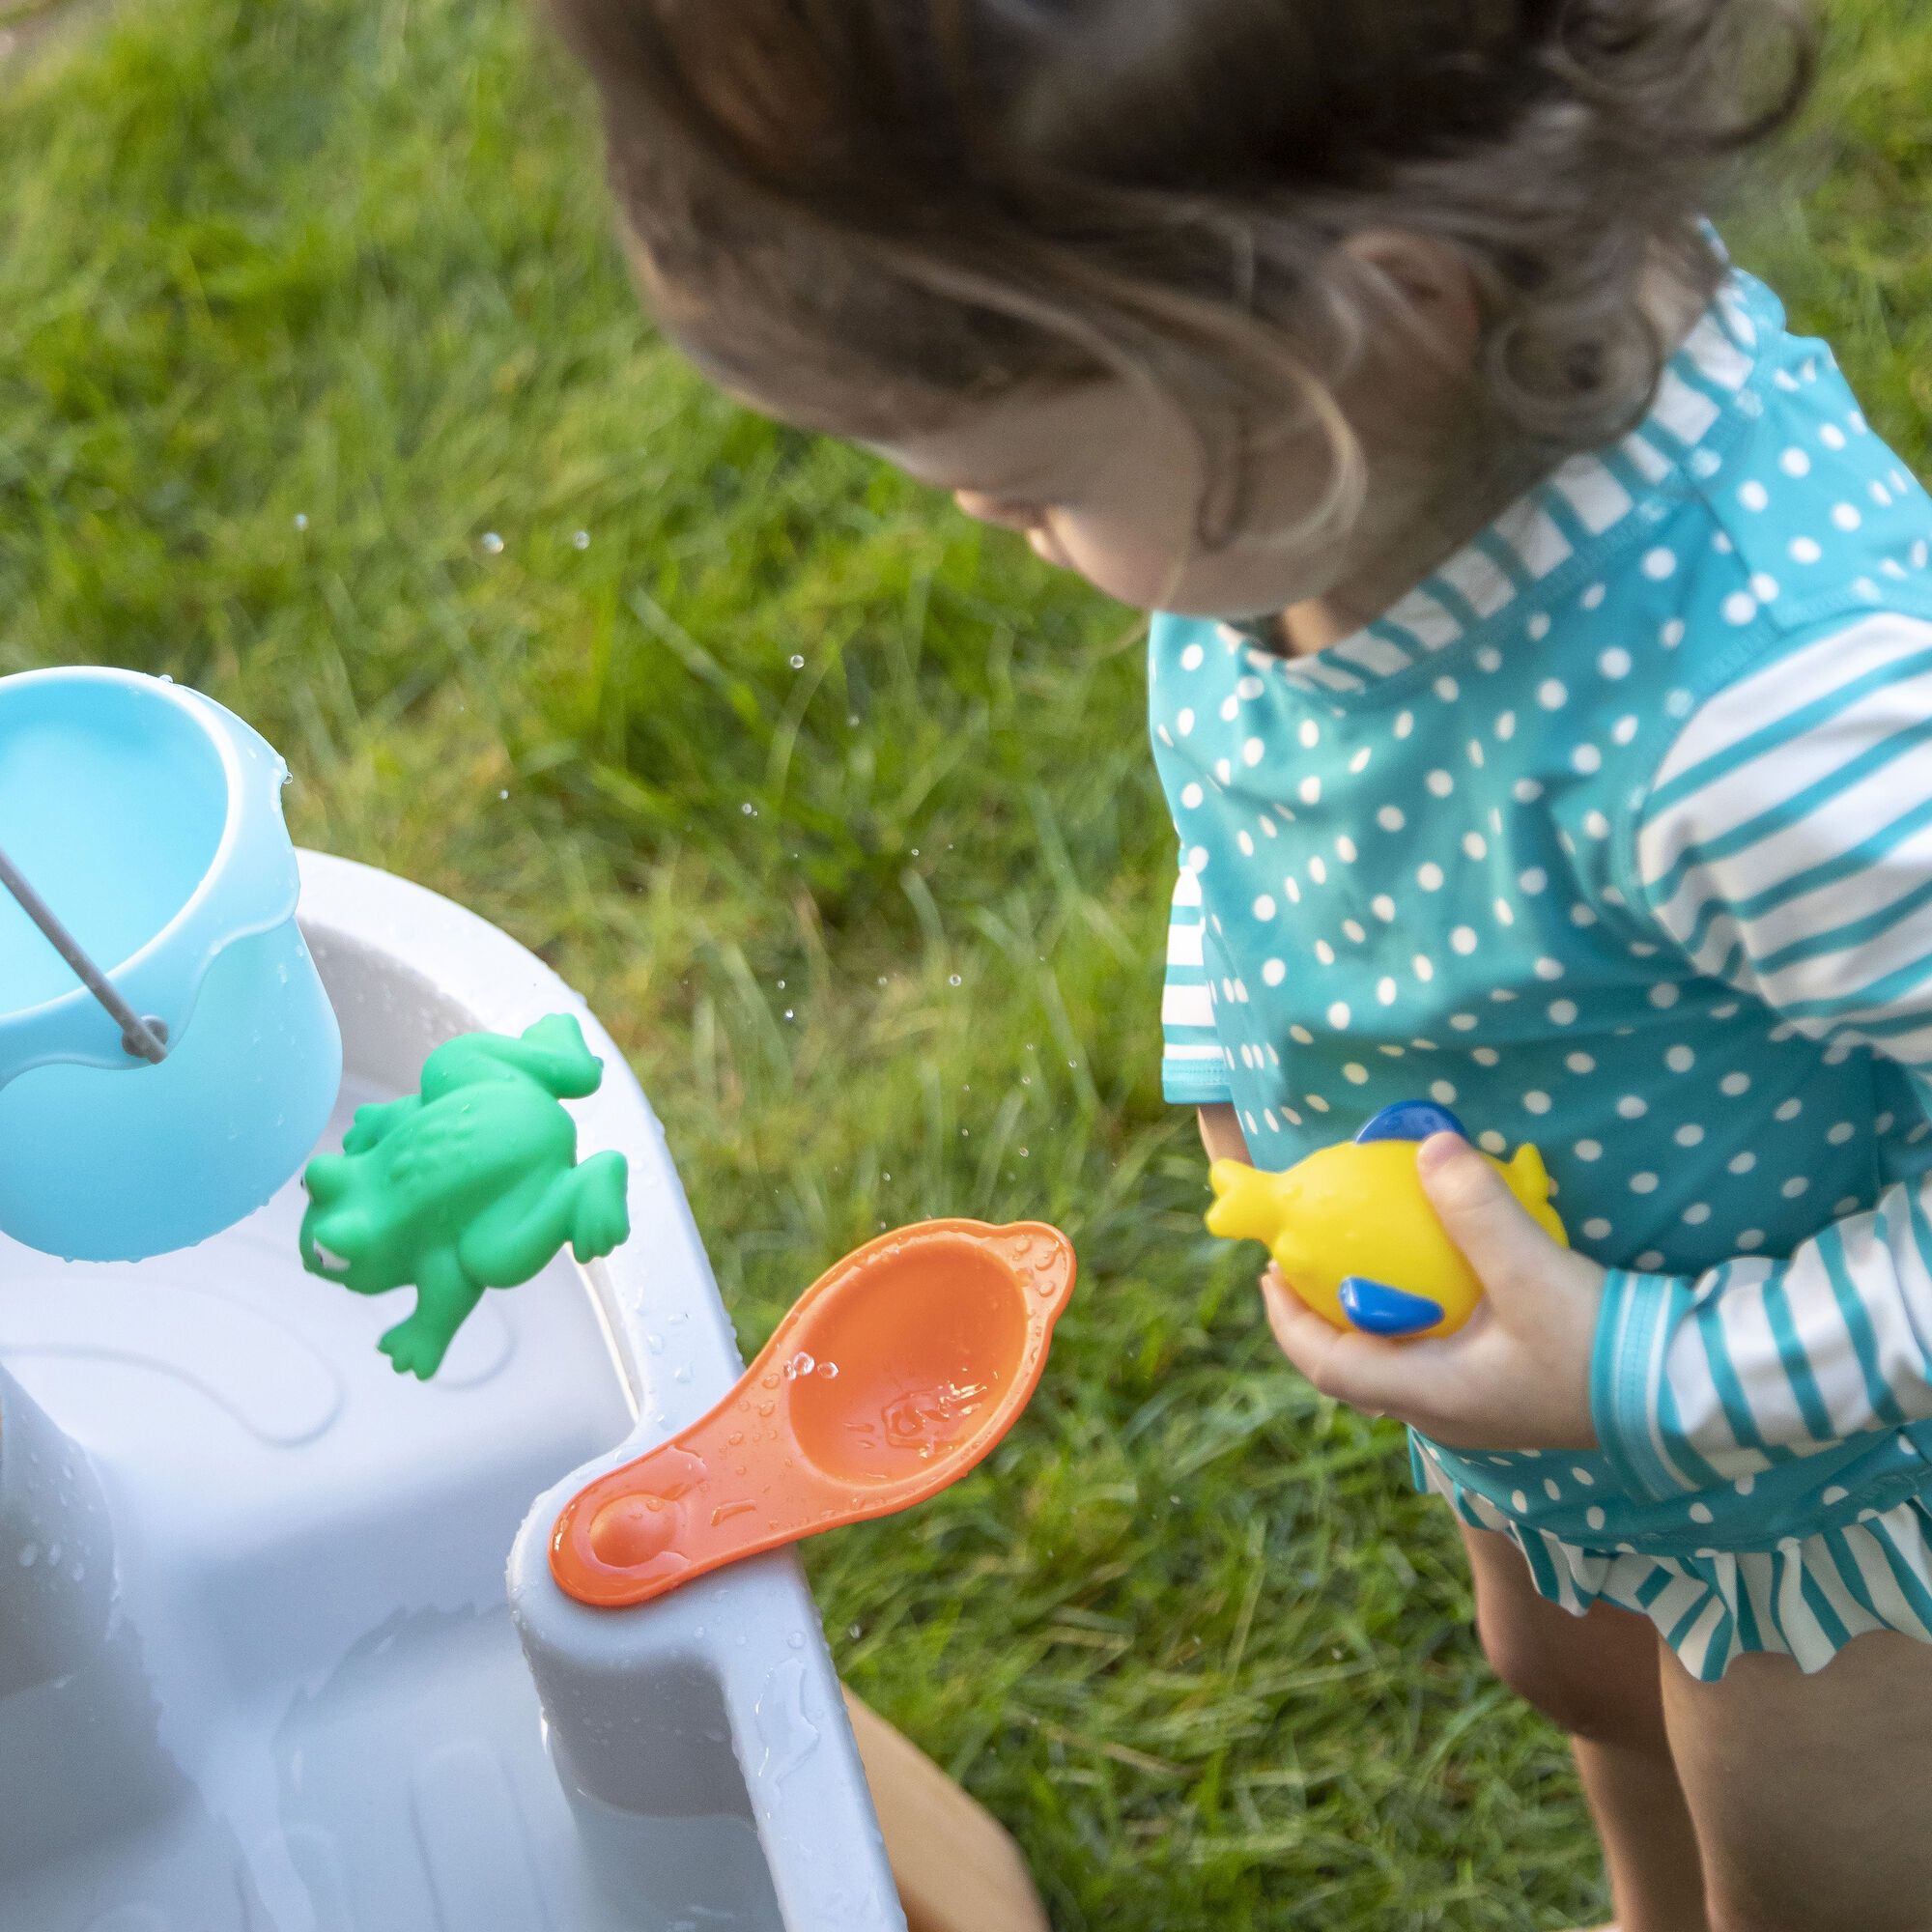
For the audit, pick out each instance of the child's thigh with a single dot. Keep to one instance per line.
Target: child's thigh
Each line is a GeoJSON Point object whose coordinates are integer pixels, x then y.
{"type": "Point", "coordinates": [1810, 1794]}
{"type": "Point", "coordinates": [1594, 1675]}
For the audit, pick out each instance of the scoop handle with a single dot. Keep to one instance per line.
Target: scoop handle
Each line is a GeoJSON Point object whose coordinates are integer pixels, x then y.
{"type": "Point", "coordinates": [678, 1512]}
{"type": "Point", "coordinates": [138, 1037]}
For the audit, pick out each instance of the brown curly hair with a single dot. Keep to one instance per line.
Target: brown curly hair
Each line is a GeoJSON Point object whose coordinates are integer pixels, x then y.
{"type": "Point", "coordinates": [885, 207]}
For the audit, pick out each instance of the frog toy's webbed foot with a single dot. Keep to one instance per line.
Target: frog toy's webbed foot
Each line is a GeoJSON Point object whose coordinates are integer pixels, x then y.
{"type": "Point", "coordinates": [601, 1217]}
{"type": "Point", "coordinates": [553, 1053]}
{"type": "Point", "coordinates": [445, 1297]}
{"type": "Point", "coordinates": [585, 1206]}
{"type": "Point", "coordinates": [1377, 1309]}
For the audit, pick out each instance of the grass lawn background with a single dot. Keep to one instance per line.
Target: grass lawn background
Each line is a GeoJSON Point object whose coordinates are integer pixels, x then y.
{"type": "Point", "coordinates": [320, 388]}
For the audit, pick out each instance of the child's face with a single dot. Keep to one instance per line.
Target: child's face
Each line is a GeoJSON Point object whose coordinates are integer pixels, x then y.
{"type": "Point", "coordinates": [1108, 481]}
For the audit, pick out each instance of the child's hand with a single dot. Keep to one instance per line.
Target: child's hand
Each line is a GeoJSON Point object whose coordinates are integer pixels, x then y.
{"type": "Point", "coordinates": [1518, 1375]}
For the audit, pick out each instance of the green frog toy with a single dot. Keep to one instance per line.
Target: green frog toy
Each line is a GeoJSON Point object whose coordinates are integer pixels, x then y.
{"type": "Point", "coordinates": [472, 1183]}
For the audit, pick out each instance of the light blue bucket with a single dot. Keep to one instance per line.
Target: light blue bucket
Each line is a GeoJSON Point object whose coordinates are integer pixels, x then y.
{"type": "Point", "coordinates": [150, 821]}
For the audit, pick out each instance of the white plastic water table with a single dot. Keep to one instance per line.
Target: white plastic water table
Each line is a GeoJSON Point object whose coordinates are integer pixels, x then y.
{"type": "Point", "coordinates": [260, 1670]}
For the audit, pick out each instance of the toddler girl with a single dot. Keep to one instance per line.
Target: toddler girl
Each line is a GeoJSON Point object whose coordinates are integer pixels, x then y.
{"type": "Point", "coordinates": [1542, 688]}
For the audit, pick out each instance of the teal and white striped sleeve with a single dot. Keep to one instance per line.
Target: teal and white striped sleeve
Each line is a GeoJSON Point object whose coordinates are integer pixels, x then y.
{"type": "Point", "coordinates": [1193, 1068]}
{"type": "Point", "coordinates": [1787, 846]}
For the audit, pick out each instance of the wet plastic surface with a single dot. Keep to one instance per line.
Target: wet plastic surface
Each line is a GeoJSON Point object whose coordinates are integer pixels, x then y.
{"type": "Point", "coordinates": [893, 1376]}
{"type": "Point", "coordinates": [258, 1672]}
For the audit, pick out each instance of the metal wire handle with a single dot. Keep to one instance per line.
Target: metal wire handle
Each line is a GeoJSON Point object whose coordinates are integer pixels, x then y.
{"type": "Point", "coordinates": [145, 1039]}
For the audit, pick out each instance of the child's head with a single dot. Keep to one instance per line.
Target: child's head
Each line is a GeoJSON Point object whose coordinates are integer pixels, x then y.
{"type": "Point", "coordinates": [1210, 296]}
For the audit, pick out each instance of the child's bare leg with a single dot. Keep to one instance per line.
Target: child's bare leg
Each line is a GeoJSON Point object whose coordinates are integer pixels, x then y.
{"type": "Point", "coordinates": [1598, 1678]}
{"type": "Point", "coordinates": [1810, 1793]}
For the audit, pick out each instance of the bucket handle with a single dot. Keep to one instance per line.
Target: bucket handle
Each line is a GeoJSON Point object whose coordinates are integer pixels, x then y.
{"type": "Point", "coordinates": [142, 1038]}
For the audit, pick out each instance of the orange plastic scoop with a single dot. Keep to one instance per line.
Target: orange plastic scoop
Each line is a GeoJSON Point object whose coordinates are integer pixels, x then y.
{"type": "Point", "coordinates": [892, 1376]}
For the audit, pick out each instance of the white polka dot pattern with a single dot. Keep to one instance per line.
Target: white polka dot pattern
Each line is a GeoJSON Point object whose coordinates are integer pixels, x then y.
{"type": "Point", "coordinates": [1497, 851]}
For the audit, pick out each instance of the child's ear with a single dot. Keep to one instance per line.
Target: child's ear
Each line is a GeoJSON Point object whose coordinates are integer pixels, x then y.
{"type": "Point", "coordinates": [1434, 282]}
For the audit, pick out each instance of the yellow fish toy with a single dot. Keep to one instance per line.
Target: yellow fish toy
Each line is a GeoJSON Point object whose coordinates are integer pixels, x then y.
{"type": "Point", "coordinates": [1356, 1235]}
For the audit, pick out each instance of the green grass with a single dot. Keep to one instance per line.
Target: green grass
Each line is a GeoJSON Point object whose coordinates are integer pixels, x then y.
{"type": "Point", "coordinates": [839, 811]}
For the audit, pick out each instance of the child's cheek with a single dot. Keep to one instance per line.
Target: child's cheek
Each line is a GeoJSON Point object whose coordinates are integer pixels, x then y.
{"type": "Point", "coordinates": [1131, 566]}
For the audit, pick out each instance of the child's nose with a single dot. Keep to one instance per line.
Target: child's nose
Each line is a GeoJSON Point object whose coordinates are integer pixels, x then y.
{"type": "Point", "coordinates": [999, 510]}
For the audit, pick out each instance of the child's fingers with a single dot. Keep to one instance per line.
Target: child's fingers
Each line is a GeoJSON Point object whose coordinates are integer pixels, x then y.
{"type": "Point", "coordinates": [1363, 1370]}
{"type": "Point", "coordinates": [1290, 1317]}
{"type": "Point", "coordinates": [1490, 1226]}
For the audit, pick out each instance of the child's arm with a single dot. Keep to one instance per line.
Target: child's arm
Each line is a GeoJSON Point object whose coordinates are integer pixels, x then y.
{"type": "Point", "coordinates": [1787, 849]}
{"type": "Point", "coordinates": [1221, 1133]}
{"type": "Point", "coordinates": [1700, 1381]}
{"type": "Point", "coordinates": [1194, 1065]}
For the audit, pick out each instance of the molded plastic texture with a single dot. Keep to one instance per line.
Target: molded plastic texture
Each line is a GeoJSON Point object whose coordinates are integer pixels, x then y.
{"type": "Point", "coordinates": [471, 1182]}
{"type": "Point", "coordinates": [1353, 1233]}
{"type": "Point", "coordinates": [257, 1665]}
{"type": "Point", "coordinates": [1377, 1309]}
{"type": "Point", "coordinates": [894, 1374]}
{"type": "Point", "coordinates": [150, 820]}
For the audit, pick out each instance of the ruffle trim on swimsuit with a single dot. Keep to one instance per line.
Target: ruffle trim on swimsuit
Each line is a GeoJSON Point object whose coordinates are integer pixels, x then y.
{"type": "Point", "coordinates": [1806, 1599]}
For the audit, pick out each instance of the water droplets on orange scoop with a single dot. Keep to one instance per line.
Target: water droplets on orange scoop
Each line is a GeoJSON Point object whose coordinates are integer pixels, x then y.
{"type": "Point", "coordinates": [894, 1374]}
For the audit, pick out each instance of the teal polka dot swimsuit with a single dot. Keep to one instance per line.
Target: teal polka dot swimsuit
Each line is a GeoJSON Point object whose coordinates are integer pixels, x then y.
{"type": "Point", "coordinates": [1617, 834]}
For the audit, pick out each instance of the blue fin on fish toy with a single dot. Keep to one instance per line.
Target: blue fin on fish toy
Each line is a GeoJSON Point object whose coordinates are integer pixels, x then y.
{"type": "Point", "coordinates": [1410, 1121]}
{"type": "Point", "coordinates": [1377, 1309]}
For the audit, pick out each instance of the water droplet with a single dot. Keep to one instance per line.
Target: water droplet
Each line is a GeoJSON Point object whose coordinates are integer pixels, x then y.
{"type": "Point", "coordinates": [582, 540]}
{"type": "Point", "coordinates": [829, 1370]}
{"type": "Point", "coordinates": [750, 809]}
{"type": "Point", "coordinates": [789, 1014]}
{"type": "Point", "coordinates": [493, 543]}
{"type": "Point", "coordinates": [302, 520]}
{"type": "Point", "coordinates": [505, 793]}
{"type": "Point", "coordinates": [953, 979]}
{"type": "Point", "coordinates": [797, 662]}
{"type": "Point", "coordinates": [796, 1640]}
{"type": "Point", "coordinates": [800, 1364]}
